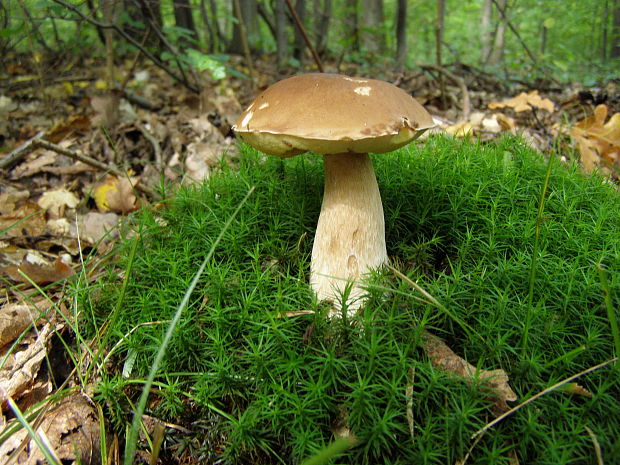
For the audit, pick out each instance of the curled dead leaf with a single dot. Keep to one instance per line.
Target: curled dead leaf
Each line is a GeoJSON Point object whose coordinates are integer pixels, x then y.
{"type": "Point", "coordinates": [21, 366]}
{"type": "Point", "coordinates": [72, 430]}
{"type": "Point", "coordinates": [598, 140]}
{"type": "Point", "coordinates": [497, 380]}
{"type": "Point", "coordinates": [56, 201]}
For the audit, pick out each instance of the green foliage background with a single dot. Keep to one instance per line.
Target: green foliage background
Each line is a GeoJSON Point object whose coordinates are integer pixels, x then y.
{"type": "Point", "coordinates": [574, 45]}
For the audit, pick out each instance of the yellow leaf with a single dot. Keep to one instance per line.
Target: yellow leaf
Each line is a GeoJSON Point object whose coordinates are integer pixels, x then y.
{"type": "Point", "coordinates": [525, 102]}
{"type": "Point", "coordinates": [100, 84]}
{"type": "Point", "coordinates": [101, 193]}
{"type": "Point", "coordinates": [116, 194]}
{"type": "Point", "coordinates": [462, 129]}
{"type": "Point", "coordinates": [68, 88]}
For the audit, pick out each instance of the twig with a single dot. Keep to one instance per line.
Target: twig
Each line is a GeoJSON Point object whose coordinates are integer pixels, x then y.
{"type": "Point", "coordinates": [597, 446]}
{"type": "Point", "coordinates": [38, 142]}
{"type": "Point", "coordinates": [110, 167]}
{"type": "Point", "coordinates": [409, 394]}
{"type": "Point", "coordinates": [133, 42]}
{"type": "Point", "coordinates": [302, 31]}
{"type": "Point", "coordinates": [148, 136]}
{"type": "Point", "coordinates": [20, 152]}
{"type": "Point", "coordinates": [465, 102]}
{"type": "Point", "coordinates": [502, 13]}
{"type": "Point", "coordinates": [540, 394]}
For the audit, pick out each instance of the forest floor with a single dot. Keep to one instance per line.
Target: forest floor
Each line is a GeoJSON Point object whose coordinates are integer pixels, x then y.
{"type": "Point", "coordinates": [77, 158]}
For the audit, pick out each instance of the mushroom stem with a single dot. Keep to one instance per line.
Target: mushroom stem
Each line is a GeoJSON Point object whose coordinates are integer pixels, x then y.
{"type": "Point", "coordinates": [350, 234]}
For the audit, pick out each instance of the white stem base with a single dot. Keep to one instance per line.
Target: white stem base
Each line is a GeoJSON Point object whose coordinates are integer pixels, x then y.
{"type": "Point", "coordinates": [350, 234]}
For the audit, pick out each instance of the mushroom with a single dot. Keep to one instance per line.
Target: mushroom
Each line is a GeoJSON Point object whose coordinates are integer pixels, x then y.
{"type": "Point", "coordinates": [343, 118]}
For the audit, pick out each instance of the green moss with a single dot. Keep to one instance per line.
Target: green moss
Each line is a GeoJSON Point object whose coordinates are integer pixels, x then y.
{"type": "Point", "coordinates": [460, 220]}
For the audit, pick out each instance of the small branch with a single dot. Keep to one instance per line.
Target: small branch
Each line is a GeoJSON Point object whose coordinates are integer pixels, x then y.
{"type": "Point", "coordinates": [502, 13]}
{"type": "Point", "coordinates": [133, 42]}
{"type": "Point", "coordinates": [38, 142]}
{"type": "Point", "coordinates": [148, 136]}
{"type": "Point", "coordinates": [20, 152]}
{"type": "Point", "coordinates": [302, 30]}
{"type": "Point", "coordinates": [465, 102]}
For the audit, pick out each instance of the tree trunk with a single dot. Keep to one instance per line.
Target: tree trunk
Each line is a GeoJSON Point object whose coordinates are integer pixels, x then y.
{"type": "Point", "coordinates": [219, 44]}
{"type": "Point", "coordinates": [249, 15]}
{"type": "Point", "coordinates": [300, 45]}
{"type": "Point", "coordinates": [439, 28]}
{"type": "Point", "coordinates": [497, 54]}
{"type": "Point", "coordinates": [322, 16]}
{"type": "Point", "coordinates": [373, 37]}
{"type": "Point", "coordinates": [485, 31]}
{"type": "Point", "coordinates": [183, 18]}
{"type": "Point", "coordinates": [615, 32]}
{"type": "Point", "coordinates": [401, 34]}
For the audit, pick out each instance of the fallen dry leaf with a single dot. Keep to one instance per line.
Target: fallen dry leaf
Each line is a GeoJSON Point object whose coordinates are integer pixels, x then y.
{"type": "Point", "coordinates": [27, 219]}
{"type": "Point", "coordinates": [96, 226]}
{"type": "Point", "coordinates": [443, 357]}
{"type": "Point", "coordinates": [116, 194]}
{"type": "Point", "coordinates": [14, 319]}
{"type": "Point", "coordinates": [34, 166]}
{"type": "Point", "coordinates": [38, 273]}
{"type": "Point", "coordinates": [598, 140]}
{"type": "Point", "coordinates": [56, 201]}
{"type": "Point", "coordinates": [21, 366]}
{"type": "Point", "coordinates": [106, 109]}
{"type": "Point", "coordinates": [72, 430]}
{"type": "Point", "coordinates": [9, 200]}
{"type": "Point", "coordinates": [525, 102]}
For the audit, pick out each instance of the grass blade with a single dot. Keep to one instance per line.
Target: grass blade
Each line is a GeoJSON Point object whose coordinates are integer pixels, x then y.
{"type": "Point", "coordinates": [132, 436]}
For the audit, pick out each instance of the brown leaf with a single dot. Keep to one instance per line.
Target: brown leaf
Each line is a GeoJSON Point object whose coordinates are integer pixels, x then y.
{"type": "Point", "coordinates": [26, 220]}
{"type": "Point", "coordinates": [95, 226]}
{"type": "Point", "coordinates": [74, 124]}
{"type": "Point", "coordinates": [598, 141]}
{"type": "Point", "coordinates": [106, 109]}
{"type": "Point", "coordinates": [72, 429]}
{"type": "Point", "coordinates": [14, 319]}
{"type": "Point", "coordinates": [443, 357]}
{"type": "Point", "coordinates": [34, 166]}
{"type": "Point", "coordinates": [22, 364]}
{"type": "Point", "coordinates": [39, 274]}
{"type": "Point", "coordinates": [116, 194]}
{"type": "Point", "coordinates": [525, 102]}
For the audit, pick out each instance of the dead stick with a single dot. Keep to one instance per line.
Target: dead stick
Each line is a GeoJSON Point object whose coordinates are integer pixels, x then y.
{"type": "Point", "coordinates": [465, 102]}
{"type": "Point", "coordinates": [302, 30]}
{"type": "Point", "coordinates": [20, 152]}
{"type": "Point", "coordinates": [110, 167]}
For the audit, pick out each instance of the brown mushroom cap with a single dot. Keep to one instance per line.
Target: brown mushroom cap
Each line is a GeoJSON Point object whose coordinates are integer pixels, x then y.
{"type": "Point", "coordinates": [331, 113]}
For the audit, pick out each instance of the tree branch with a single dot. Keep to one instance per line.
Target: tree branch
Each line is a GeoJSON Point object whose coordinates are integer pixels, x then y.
{"type": "Point", "coordinates": [133, 42]}
{"type": "Point", "coordinates": [302, 30]}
